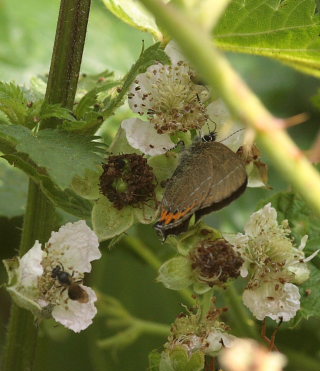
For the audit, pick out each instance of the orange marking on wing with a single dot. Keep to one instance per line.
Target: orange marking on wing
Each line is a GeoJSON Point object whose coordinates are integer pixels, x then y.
{"type": "Point", "coordinates": [167, 217]}
{"type": "Point", "coordinates": [164, 215]}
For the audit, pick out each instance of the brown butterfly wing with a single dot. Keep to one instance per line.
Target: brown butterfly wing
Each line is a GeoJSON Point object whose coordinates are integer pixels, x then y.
{"type": "Point", "coordinates": [227, 174]}
{"type": "Point", "coordinates": [208, 176]}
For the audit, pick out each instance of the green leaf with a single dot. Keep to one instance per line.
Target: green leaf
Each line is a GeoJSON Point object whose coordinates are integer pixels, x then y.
{"type": "Point", "coordinates": [285, 30]}
{"type": "Point", "coordinates": [108, 221]}
{"type": "Point", "coordinates": [13, 103]}
{"type": "Point", "coordinates": [154, 360]}
{"type": "Point", "coordinates": [310, 296]}
{"type": "Point", "coordinates": [64, 155]}
{"type": "Point", "coordinates": [90, 98]}
{"type": "Point", "coordinates": [302, 219]}
{"type": "Point", "coordinates": [66, 200]}
{"type": "Point", "coordinates": [176, 273]}
{"type": "Point", "coordinates": [148, 57]}
{"type": "Point", "coordinates": [178, 359]}
{"type": "Point", "coordinates": [55, 110]}
{"type": "Point", "coordinates": [13, 190]}
{"type": "Point", "coordinates": [135, 15]}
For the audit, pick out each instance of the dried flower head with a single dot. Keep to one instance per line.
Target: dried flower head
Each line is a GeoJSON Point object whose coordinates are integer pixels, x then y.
{"type": "Point", "coordinates": [127, 180]}
{"type": "Point", "coordinates": [214, 262]}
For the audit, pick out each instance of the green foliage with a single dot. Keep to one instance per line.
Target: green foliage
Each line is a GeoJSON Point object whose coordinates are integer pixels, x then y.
{"type": "Point", "coordinates": [55, 110]}
{"type": "Point", "coordinates": [67, 200]}
{"type": "Point", "coordinates": [13, 103]}
{"type": "Point", "coordinates": [134, 14]}
{"type": "Point", "coordinates": [13, 190]}
{"type": "Point", "coordinates": [285, 30]}
{"type": "Point", "coordinates": [310, 296]}
{"type": "Point", "coordinates": [63, 155]}
{"type": "Point", "coordinates": [302, 219]}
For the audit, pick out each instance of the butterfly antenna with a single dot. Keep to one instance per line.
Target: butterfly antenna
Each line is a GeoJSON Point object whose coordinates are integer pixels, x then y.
{"type": "Point", "coordinates": [237, 131]}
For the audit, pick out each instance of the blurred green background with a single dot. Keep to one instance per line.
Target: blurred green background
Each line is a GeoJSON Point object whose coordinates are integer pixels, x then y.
{"type": "Point", "coordinates": [26, 38]}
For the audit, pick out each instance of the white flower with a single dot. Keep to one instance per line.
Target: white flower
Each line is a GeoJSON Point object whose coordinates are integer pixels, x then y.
{"type": "Point", "coordinates": [267, 248]}
{"type": "Point", "coordinates": [216, 340]}
{"type": "Point", "coordinates": [169, 95]}
{"type": "Point", "coordinates": [48, 282]}
{"type": "Point", "coordinates": [246, 354]}
{"type": "Point", "coordinates": [143, 136]}
{"type": "Point", "coordinates": [30, 266]}
{"type": "Point", "coordinates": [274, 300]}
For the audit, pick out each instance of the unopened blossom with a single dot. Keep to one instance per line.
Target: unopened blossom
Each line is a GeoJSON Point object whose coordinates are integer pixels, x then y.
{"type": "Point", "coordinates": [208, 335]}
{"type": "Point", "coordinates": [248, 355]}
{"type": "Point", "coordinates": [49, 281]}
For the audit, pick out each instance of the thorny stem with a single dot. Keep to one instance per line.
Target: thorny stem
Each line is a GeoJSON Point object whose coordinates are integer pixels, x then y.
{"type": "Point", "coordinates": [40, 219]}
{"type": "Point", "coordinates": [218, 73]}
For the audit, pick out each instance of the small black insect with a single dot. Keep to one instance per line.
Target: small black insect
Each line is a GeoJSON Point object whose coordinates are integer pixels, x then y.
{"type": "Point", "coordinates": [75, 291]}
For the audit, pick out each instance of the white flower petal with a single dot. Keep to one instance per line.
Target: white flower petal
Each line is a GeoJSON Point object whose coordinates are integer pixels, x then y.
{"type": "Point", "coordinates": [229, 132]}
{"type": "Point", "coordinates": [303, 242]}
{"type": "Point", "coordinates": [140, 96]}
{"type": "Point", "coordinates": [310, 257]}
{"type": "Point", "coordinates": [216, 340]}
{"type": "Point", "coordinates": [273, 300]}
{"type": "Point", "coordinates": [142, 135]}
{"type": "Point", "coordinates": [301, 272]}
{"type": "Point", "coordinates": [174, 52]}
{"type": "Point", "coordinates": [75, 245]}
{"type": "Point", "coordinates": [261, 221]}
{"type": "Point", "coordinates": [74, 315]}
{"type": "Point", "coordinates": [30, 267]}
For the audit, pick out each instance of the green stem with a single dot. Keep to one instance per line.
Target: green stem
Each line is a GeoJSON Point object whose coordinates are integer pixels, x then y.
{"type": "Point", "coordinates": [153, 328]}
{"type": "Point", "coordinates": [246, 326]}
{"type": "Point", "coordinates": [67, 55]}
{"type": "Point", "coordinates": [218, 73]}
{"type": "Point", "coordinates": [146, 254]}
{"type": "Point", "coordinates": [40, 218]}
{"type": "Point", "coordinates": [206, 304]}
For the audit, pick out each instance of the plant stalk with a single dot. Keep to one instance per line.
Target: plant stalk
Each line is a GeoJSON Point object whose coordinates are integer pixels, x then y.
{"type": "Point", "coordinates": [40, 218]}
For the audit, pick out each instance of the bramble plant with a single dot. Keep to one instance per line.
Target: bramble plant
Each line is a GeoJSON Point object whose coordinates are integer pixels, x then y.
{"type": "Point", "coordinates": [107, 156]}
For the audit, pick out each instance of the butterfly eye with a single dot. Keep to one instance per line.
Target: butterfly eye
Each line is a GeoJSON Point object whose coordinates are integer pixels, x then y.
{"type": "Point", "coordinates": [211, 137]}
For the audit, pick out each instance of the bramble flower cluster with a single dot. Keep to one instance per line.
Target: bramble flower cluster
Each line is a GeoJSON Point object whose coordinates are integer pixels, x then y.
{"type": "Point", "coordinates": [192, 338]}
{"type": "Point", "coordinates": [173, 101]}
{"type": "Point", "coordinates": [48, 281]}
{"type": "Point", "coordinates": [273, 264]}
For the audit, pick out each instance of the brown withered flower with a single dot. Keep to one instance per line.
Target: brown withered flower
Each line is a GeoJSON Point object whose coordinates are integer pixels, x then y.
{"type": "Point", "coordinates": [214, 262]}
{"type": "Point", "coordinates": [127, 180]}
